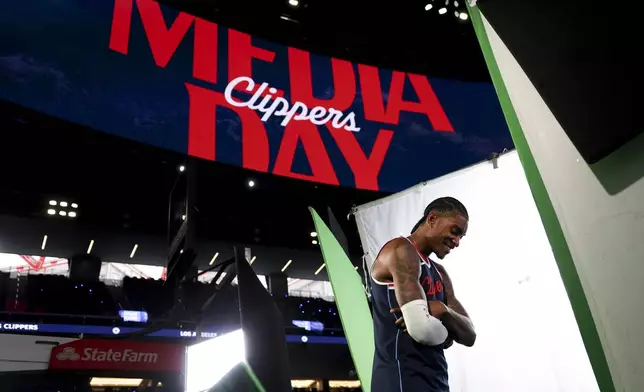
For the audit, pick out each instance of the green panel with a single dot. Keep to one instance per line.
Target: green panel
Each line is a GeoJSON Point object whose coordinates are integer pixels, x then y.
{"type": "Point", "coordinates": [351, 301]}
{"type": "Point", "coordinates": [253, 378]}
{"type": "Point", "coordinates": [240, 378]}
{"type": "Point", "coordinates": [549, 218]}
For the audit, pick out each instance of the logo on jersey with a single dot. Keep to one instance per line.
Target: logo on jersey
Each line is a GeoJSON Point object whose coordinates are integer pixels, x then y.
{"type": "Point", "coordinates": [431, 288]}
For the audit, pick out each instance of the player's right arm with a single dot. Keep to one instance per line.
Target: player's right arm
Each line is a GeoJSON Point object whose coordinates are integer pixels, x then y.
{"type": "Point", "coordinates": [401, 262]}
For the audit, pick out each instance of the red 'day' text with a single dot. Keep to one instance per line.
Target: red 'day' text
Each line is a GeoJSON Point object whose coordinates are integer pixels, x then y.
{"type": "Point", "coordinates": [164, 39]}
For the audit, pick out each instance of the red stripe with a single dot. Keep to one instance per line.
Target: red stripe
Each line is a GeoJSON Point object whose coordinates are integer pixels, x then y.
{"type": "Point", "coordinates": [423, 257]}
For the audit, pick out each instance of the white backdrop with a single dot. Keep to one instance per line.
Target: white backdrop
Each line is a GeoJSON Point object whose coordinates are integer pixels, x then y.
{"type": "Point", "coordinates": [505, 275]}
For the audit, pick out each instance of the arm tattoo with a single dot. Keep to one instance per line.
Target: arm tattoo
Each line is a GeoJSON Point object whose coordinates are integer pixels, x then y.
{"type": "Point", "coordinates": [405, 273]}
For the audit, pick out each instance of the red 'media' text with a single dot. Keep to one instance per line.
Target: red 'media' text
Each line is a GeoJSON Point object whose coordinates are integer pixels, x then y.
{"type": "Point", "coordinates": [164, 38]}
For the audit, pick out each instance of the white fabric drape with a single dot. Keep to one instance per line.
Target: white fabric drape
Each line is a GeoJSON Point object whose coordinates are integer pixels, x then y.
{"type": "Point", "coordinates": [506, 276]}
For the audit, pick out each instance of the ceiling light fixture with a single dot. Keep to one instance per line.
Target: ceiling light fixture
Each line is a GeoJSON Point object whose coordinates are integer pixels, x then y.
{"type": "Point", "coordinates": [182, 168]}
{"type": "Point", "coordinates": [251, 183]}
{"type": "Point", "coordinates": [212, 261]}
{"type": "Point", "coordinates": [286, 18]}
{"type": "Point", "coordinates": [320, 269]}
{"type": "Point", "coordinates": [294, 3]}
{"type": "Point", "coordinates": [442, 11]}
{"type": "Point", "coordinates": [286, 265]}
{"type": "Point", "coordinates": [44, 242]}
{"type": "Point", "coordinates": [136, 246]}
{"type": "Point", "coordinates": [62, 211]}
{"type": "Point", "coordinates": [223, 275]}
{"type": "Point", "coordinates": [314, 234]}
{"type": "Point", "coordinates": [89, 248]}
{"type": "Point", "coordinates": [463, 16]}
{"type": "Point", "coordinates": [429, 7]}
{"type": "Point", "coordinates": [314, 242]}
{"type": "Point", "coordinates": [252, 260]}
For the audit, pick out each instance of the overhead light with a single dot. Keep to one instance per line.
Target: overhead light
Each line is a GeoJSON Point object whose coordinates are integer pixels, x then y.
{"type": "Point", "coordinates": [355, 268]}
{"type": "Point", "coordinates": [294, 3]}
{"type": "Point", "coordinates": [136, 246]}
{"type": "Point", "coordinates": [62, 213]}
{"type": "Point", "coordinates": [63, 204]}
{"type": "Point", "coordinates": [89, 248]}
{"type": "Point", "coordinates": [314, 234]}
{"type": "Point", "coordinates": [44, 242]}
{"type": "Point", "coordinates": [320, 269]}
{"type": "Point", "coordinates": [183, 217]}
{"type": "Point", "coordinates": [442, 11]}
{"type": "Point", "coordinates": [51, 211]}
{"type": "Point", "coordinates": [182, 168]}
{"type": "Point", "coordinates": [71, 214]}
{"type": "Point", "coordinates": [314, 242]}
{"type": "Point", "coordinates": [212, 261]}
{"type": "Point", "coordinates": [351, 384]}
{"type": "Point", "coordinates": [463, 16]}
{"type": "Point", "coordinates": [251, 183]}
{"type": "Point", "coordinates": [286, 18]}
{"type": "Point", "coordinates": [304, 384]}
{"type": "Point", "coordinates": [74, 205]}
{"type": "Point", "coordinates": [428, 7]}
{"type": "Point", "coordinates": [115, 382]}
{"type": "Point", "coordinates": [252, 260]}
{"type": "Point", "coordinates": [53, 202]}
{"type": "Point", "coordinates": [181, 251]}
{"type": "Point", "coordinates": [286, 265]}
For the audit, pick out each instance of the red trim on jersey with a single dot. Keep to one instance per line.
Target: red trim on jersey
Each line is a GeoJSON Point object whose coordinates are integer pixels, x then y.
{"type": "Point", "coordinates": [423, 257]}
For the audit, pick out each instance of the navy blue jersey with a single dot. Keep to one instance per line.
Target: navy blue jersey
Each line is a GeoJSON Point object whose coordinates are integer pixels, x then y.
{"type": "Point", "coordinates": [400, 363]}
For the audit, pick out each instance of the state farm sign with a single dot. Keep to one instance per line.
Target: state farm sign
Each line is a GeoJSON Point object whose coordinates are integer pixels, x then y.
{"type": "Point", "coordinates": [86, 354]}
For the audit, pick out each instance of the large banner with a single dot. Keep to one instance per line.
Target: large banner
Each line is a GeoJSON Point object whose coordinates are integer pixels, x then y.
{"type": "Point", "coordinates": [145, 72]}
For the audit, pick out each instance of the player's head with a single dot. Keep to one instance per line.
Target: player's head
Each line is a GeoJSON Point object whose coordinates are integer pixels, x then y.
{"type": "Point", "coordinates": [442, 226]}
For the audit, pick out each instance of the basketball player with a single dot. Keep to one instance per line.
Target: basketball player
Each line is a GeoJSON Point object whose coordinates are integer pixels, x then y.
{"type": "Point", "coordinates": [409, 353]}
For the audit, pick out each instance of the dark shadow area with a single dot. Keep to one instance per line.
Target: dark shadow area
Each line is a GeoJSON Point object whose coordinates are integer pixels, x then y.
{"type": "Point", "coordinates": [622, 168]}
{"type": "Point", "coordinates": [580, 60]}
{"type": "Point", "coordinates": [263, 328]}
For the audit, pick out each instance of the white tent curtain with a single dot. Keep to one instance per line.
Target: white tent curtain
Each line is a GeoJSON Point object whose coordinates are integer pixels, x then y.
{"type": "Point", "coordinates": [505, 275]}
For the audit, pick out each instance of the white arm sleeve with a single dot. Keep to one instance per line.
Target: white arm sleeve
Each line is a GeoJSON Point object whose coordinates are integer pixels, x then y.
{"type": "Point", "coordinates": [421, 326]}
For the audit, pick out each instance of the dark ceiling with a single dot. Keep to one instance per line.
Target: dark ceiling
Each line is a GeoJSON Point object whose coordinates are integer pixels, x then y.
{"type": "Point", "coordinates": [122, 187]}
{"type": "Point", "coordinates": [397, 35]}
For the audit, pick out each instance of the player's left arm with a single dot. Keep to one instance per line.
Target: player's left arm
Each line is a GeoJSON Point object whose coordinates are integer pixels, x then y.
{"type": "Point", "coordinates": [456, 319]}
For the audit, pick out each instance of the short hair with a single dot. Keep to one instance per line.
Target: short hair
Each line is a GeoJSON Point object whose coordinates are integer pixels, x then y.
{"type": "Point", "coordinates": [442, 205]}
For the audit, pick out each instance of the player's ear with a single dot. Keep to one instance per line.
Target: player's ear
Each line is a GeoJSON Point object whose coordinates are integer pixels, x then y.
{"type": "Point", "coordinates": [431, 218]}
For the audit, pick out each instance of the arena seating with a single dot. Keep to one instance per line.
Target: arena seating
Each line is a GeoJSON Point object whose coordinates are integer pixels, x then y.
{"type": "Point", "coordinates": [59, 296]}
